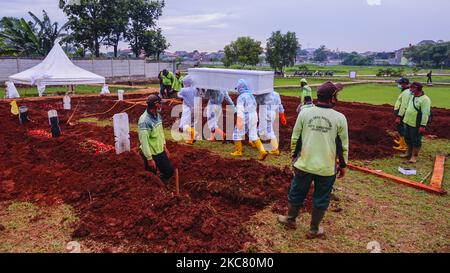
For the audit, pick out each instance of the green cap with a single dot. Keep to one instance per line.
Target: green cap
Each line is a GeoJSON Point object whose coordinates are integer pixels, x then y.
{"type": "Point", "coordinates": [303, 80]}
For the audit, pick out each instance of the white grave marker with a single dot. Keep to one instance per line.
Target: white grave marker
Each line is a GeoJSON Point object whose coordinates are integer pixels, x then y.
{"type": "Point", "coordinates": [66, 102]}
{"type": "Point", "coordinates": [121, 133]}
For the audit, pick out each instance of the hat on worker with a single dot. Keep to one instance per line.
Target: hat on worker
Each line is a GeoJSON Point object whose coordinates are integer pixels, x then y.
{"type": "Point", "coordinates": [418, 85]}
{"type": "Point", "coordinates": [152, 100]}
{"type": "Point", "coordinates": [403, 80]}
{"type": "Point", "coordinates": [303, 80]}
{"type": "Point", "coordinates": [328, 90]}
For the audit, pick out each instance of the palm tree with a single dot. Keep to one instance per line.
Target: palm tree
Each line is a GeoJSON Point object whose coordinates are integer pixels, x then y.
{"type": "Point", "coordinates": [48, 32]}
{"type": "Point", "coordinates": [19, 38]}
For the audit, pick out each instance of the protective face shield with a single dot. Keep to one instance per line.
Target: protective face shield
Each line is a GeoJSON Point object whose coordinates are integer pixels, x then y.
{"type": "Point", "coordinates": [241, 86]}
{"type": "Point", "coordinates": [188, 82]}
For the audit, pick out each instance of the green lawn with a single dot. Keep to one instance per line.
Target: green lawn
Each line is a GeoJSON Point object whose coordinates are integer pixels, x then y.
{"type": "Point", "coordinates": [313, 80]}
{"type": "Point", "coordinates": [296, 80]}
{"type": "Point", "coordinates": [341, 69]}
{"type": "Point", "coordinates": [382, 94]}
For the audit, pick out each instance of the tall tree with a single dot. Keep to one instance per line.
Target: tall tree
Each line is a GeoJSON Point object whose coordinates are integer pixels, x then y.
{"type": "Point", "coordinates": [282, 50]}
{"type": "Point", "coordinates": [154, 43]}
{"type": "Point", "coordinates": [320, 54]}
{"type": "Point", "coordinates": [355, 59]}
{"type": "Point", "coordinates": [430, 55]}
{"type": "Point", "coordinates": [243, 51]}
{"type": "Point", "coordinates": [143, 15]}
{"type": "Point", "coordinates": [88, 21]}
{"type": "Point", "coordinates": [117, 12]}
{"type": "Point", "coordinates": [48, 31]}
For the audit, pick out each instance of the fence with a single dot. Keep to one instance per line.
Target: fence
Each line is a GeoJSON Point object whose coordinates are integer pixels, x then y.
{"type": "Point", "coordinates": [113, 70]}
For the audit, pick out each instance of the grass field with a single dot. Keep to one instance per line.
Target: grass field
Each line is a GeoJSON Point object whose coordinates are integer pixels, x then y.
{"type": "Point", "coordinates": [379, 94]}
{"type": "Point", "coordinates": [343, 69]}
{"type": "Point", "coordinates": [312, 80]}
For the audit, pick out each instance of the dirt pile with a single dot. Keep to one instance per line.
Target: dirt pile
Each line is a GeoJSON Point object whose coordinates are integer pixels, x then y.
{"type": "Point", "coordinates": [119, 203]}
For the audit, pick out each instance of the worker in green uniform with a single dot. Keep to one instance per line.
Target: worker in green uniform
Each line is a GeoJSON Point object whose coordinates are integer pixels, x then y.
{"type": "Point", "coordinates": [319, 141]}
{"type": "Point", "coordinates": [166, 78]}
{"type": "Point", "coordinates": [153, 148]}
{"type": "Point", "coordinates": [416, 118]}
{"type": "Point", "coordinates": [178, 82]}
{"type": "Point", "coordinates": [399, 111]}
{"type": "Point", "coordinates": [305, 90]}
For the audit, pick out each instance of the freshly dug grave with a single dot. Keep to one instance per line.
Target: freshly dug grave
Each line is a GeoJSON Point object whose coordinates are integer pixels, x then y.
{"type": "Point", "coordinates": [369, 125]}
{"type": "Point", "coordinates": [121, 204]}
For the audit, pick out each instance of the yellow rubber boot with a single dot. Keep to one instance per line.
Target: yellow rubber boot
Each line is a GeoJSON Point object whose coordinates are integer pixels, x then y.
{"type": "Point", "coordinates": [238, 148]}
{"type": "Point", "coordinates": [14, 108]}
{"type": "Point", "coordinates": [191, 132]}
{"type": "Point", "coordinates": [274, 144]}
{"type": "Point", "coordinates": [401, 146]}
{"type": "Point", "coordinates": [252, 144]}
{"type": "Point", "coordinates": [262, 152]}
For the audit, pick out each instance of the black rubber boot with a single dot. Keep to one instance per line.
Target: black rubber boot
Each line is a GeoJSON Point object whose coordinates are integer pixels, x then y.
{"type": "Point", "coordinates": [408, 153]}
{"type": "Point", "coordinates": [316, 217]}
{"type": "Point", "coordinates": [289, 220]}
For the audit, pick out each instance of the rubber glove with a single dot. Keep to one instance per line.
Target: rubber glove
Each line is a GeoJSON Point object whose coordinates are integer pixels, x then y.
{"type": "Point", "coordinates": [283, 119]}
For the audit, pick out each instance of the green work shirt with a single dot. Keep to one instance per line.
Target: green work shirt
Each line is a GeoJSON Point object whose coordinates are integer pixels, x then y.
{"type": "Point", "coordinates": [306, 91]}
{"type": "Point", "coordinates": [169, 79]}
{"type": "Point", "coordinates": [423, 104]}
{"type": "Point", "coordinates": [178, 83]}
{"type": "Point", "coordinates": [306, 106]}
{"type": "Point", "coordinates": [402, 102]}
{"type": "Point", "coordinates": [151, 135]}
{"type": "Point", "coordinates": [319, 129]}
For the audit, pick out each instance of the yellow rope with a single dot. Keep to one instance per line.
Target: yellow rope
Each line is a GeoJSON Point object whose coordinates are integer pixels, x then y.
{"type": "Point", "coordinates": [90, 115]}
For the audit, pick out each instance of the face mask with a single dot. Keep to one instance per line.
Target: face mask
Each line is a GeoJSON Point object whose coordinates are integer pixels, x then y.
{"type": "Point", "coordinates": [400, 86]}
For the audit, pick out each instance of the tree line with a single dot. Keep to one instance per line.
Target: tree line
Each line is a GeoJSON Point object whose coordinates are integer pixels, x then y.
{"type": "Point", "coordinates": [430, 55]}
{"type": "Point", "coordinates": [281, 51]}
{"type": "Point", "coordinates": [91, 24]}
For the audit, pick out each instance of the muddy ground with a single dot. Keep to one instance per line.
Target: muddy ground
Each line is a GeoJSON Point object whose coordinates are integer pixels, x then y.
{"type": "Point", "coordinates": [120, 204]}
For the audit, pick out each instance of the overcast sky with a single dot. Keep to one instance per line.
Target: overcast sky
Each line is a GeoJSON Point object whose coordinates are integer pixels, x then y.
{"type": "Point", "coordinates": [360, 25]}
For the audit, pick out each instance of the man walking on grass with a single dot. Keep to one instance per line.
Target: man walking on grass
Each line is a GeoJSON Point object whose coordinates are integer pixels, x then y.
{"type": "Point", "coordinates": [416, 118]}
{"type": "Point", "coordinates": [319, 141]}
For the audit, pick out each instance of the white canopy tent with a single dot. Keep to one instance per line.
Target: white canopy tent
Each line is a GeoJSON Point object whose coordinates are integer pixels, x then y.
{"type": "Point", "coordinates": [55, 69]}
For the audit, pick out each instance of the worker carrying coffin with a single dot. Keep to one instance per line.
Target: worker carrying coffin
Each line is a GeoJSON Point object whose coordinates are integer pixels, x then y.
{"type": "Point", "coordinates": [247, 121]}
{"type": "Point", "coordinates": [214, 111]}
{"type": "Point", "coordinates": [319, 140]}
{"type": "Point", "coordinates": [269, 106]}
{"type": "Point", "coordinates": [153, 148]}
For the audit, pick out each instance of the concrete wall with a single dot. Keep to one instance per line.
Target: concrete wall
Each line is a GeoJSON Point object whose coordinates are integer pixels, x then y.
{"type": "Point", "coordinates": [112, 70]}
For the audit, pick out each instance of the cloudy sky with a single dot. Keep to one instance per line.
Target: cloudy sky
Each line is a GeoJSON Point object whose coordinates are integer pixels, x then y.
{"type": "Point", "coordinates": [360, 25]}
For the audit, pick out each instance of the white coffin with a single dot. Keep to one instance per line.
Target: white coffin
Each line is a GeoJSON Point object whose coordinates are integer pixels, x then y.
{"type": "Point", "coordinates": [260, 82]}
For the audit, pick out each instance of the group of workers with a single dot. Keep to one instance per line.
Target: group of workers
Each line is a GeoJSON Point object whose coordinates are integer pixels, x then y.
{"type": "Point", "coordinates": [247, 115]}
{"type": "Point", "coordinates": [319, 141]}
{"type": "Point", "coordinates": [169, 83]}
{"type": "Point", "coordinates": [413, 113]}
